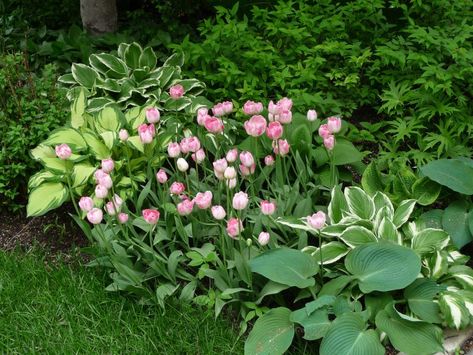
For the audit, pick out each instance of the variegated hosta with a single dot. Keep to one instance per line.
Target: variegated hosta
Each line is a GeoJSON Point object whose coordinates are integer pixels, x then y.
{"type": "Point", "coordinates": [376, 269]}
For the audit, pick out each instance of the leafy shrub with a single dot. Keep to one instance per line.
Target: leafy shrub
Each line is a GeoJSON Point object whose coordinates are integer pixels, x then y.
{"type": "Point", "coordinates": [30, 107]}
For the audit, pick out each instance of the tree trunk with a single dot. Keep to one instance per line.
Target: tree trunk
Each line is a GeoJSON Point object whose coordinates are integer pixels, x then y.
{"type": "Point", "coordinates": [99, 16]}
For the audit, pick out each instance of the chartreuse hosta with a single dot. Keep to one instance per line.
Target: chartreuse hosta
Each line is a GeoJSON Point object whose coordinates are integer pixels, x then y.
{"type": "Point", "coordinates": [376, 278]}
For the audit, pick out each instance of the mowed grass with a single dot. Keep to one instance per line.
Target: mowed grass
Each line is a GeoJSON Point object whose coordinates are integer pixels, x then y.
{"type": "Point", "coordinates": [65, 310]}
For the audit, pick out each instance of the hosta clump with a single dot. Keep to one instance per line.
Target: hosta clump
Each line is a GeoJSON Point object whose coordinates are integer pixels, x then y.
{"type": "Point", "coordinates": [376, 273]}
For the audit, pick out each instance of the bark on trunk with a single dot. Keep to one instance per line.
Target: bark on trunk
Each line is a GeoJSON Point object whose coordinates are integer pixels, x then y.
{"type": "Point", "coordinates": [99, 16]}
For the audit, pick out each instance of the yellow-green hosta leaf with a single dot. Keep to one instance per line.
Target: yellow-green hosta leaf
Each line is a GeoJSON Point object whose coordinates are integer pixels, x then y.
{"type": "Point", "coordinates": [43, 151]}
{"type": "Point", "coordinates": [81, 173]}
{"type": "Point", "coordinates": [78, 109]}
{"type": "Point", "coordinates": [136, 143]}
{"type": "Point", "coordinates": [108, 120]}
{"type": "Point", "coordinates": [40, 177]}
{"type": "Point", "coordinates": [46, 197]}
{"type": "Point", "coordinates": [109, 138]}
{"type": "Point", "coordinates": [55, 164]}
{"type": "Point", "coordinates": [99, 149]}
{"type": "Point", "coordinates": [68, 136]}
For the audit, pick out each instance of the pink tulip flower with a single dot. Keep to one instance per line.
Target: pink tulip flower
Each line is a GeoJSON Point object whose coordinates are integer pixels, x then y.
{"type": "Point", "coordinates": [63, 151]}
{"type": "Point", "coordinates": [151, 216]}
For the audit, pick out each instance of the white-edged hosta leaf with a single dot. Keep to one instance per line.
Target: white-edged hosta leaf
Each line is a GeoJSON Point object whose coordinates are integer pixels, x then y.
{"type": "Point", "coordinates": [420, 338]}
{"type": "Point", "coordinates": [463, 274]}
{"type": "Point", "coordinates": [455, 223]}
{"type": "Point", "coordinates": [382, 200]}
{"type": "Point", "coordinates": [116, 67]}
{"type": "Point", "coordinates": [387, 231]}
{"type": "Point", "coordinates": [295, 223]}
{"type": "Point", "coordinates": [348, 336]}
{"type": "Point", "coordinates": [382, 266]}
{"type": "Point", "coordinates": [286, 266]}
{"type": "Point", "coordinates": [147, 58]}
{"type": "Point", "coordinates": [81, 173]}
{"type": "Point", "coordinates": [467, 297]}
{"type": "Point", "coordinates": [66, 135]}
{"type": "Point", "coordinates": [99, 149]}
{"type": "Point", "coordinates": [420, 297]}
{"type": "Point", "coordinates": [359, 203]}
{"type": "Point", "coordinates": [331, 252]}
{"type": "Point", "coordinates": [315, 325]}
{"type": "Point", "coordinates": [46, 197]}
{"type": "Point", "coordinates": [84, 75]}
{"type": "Point", "coordinates": [355, 236]}
{"type": "Point", "coordinates": [454, 310]}
{"type": "Point", "coordinates": [403, 212]}
{"type": "Point", "coordinates": [429, 240]}
{"type": "Point", "coordinates": [337, 206]}
{"type": "Point", "coordinates": [438, 264]}
{"type": "Point", "coordinates": [272, 333]}
{"type": "Point", "coordinates": [333, 230]}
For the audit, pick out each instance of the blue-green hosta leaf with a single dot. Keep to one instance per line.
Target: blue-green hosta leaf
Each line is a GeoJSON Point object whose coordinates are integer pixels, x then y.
{"type": "Point", "coordinates": [426, 191]}
{"type": "Point", "coordinates": [417, 338]}
{"type": "Point", "coordinates": [272, 333]}
{"type": "Point", "coordinates": [403, 212]}
{"type": "Point", "coordinates": [454, 310]}
{"type": "Point", "coordinates": [84, 75]}
{"type": "Point", "coordinates": [335, 286]}
{"type": "Point", "coordinates": [320, 302]}
{"type": "Point", "coordinates": [78, 109]}
{"type": "Point", "coordinates": [270, 288]}
{"type": "Point", "coordinates": [68, 136]}
{"type": "Point", "coordinates": [99, 149]}
{"type": "Point", "coordinates": [338, 205]}
{"type": "Point", "coordinates": [420, 298]}
{"type": "Point", "coordinates": [315, 325]}
{"type": "Point", "coordinates": [286, 266]}
{"type": "Point", "coordinates": [430, 240]}
{"type": "Point", "coordinates": [383, 267]}
{"type": "Point", "coordinates": [348, 336]}
{"type": "Point", "coordinates": [455, 223]}
{"type": "Point", "coordinates": [46, 197]}
{"type": "Point", "coordinates": [355, 236]}
{"type": "Point", "coordinates": [359, 203]}
{"type": "Point", "coordinates": [453, 173]}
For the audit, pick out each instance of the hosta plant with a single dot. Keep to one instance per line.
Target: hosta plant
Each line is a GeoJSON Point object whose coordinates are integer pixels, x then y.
{"type": "Point", "coordinates": [377, 278]}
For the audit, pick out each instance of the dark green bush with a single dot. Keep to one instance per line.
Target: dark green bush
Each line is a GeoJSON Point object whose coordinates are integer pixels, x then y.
{"type": "Point", "coordinates": [30, 107]}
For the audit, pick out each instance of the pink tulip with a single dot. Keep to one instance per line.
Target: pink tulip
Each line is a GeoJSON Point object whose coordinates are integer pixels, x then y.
{"type": "Point", "coordinates": [123, 135]}
{"type": "Point", "coordinates": [232, 155]}
{"type": "Point", "coordinates": [106, 181]}
{"type": "Point", "coordinates": [267, 208]}
{"type": "Point", "coordinates": [203, 200]}
{"type": "Point", "coordinates": [176, 91]}
{"type": "Point", "coordinates": [317, 220]}
{"type": "Point", "coordinates": [110, 208]}
{"type": "Point", "coordinates": [231, 183]}
{"type": "Point", "coordinates": [220, 165]}
{"type": "Point", "coordinates": [101, 191]}
{"type": "Point", "coordinates": [252, 108]}
{"type": "Point", "coordinates": [246, 171]}
{"type": "Point", "coordinates": [146, 133]}
{"type": "Point", "coordinates": [255, 126]}
{"type": "Point", "coordinates": [98, 174]}
{"type": "Point", "coordinates": [263, 238]}
{"type": "Point", "coordinates": [198, 156]}
{"type": "Point", "coordinates": [334, 124]}
{"type": "Point", "coordinates": [107, 165]}
{"type": "Point", "coordinates": [273, 108]}
{"type": "Point", "coordinates": [218, 212]}
{"type": "Point", "coordinates": [234, 227]}
{"type": "Point", "coordinates": [86, 203]}
{"type": "Point", "coordinates": [268, 160]}
{"type": "Point", "coordinates": [285, 116]}
{"type": "Point", "coordinates": [185, 207]}
{"type": "Point", "coordinates": [177, 188]}
{"type": "Point", "coordinates": [324, 132]}
{"type": "Point", "coordinates": [122, 218]}
{"type": "Point", "coordinates": [329, 142]}
{"type": "Point", "coordinates": [174, 149]}
{"type": "Point", "coordinates": [219, 175]}
{"type": "Point", "coordinates": [95, 216]}
{"type": "Point", "coordinates": [274, 130]}
{"type": "Point", "coordinates": [63, 151]}
{"type": "Point", "coordinates": [311, 115]}
{"type": "Point", "coordinates": [218, 110]}
{"type": "Point", "coordinates": [190, 144]}
{"type": "Point", "coordinates": [230, 173]}
{"type": "Point", "coordinates": [117, 201]}
{"type": "Point", "coordinates": [161, 176]}
{"type": "Point", "coordinates": [246, 158]}
{"type": "Point", "coordinates": [240, 200]}
{"type": "Point", "coordinates": [152, 115]}
{"type": "Point", "coordinates": [151, 216]}
{"type": "Point", "coordinates": [281, 147]}
{"type": "Point", "coordinates": [227, 107]}
{"type": "Point", "coordinates": [284, 104]}
{"type": "Point", "coordinates": [213, 124]}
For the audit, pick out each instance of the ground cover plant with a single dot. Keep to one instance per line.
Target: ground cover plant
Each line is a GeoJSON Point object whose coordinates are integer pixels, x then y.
{"type": "Point", "coordinates": [238, 206]}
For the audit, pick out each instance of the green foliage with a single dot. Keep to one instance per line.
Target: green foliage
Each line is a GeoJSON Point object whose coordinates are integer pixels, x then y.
{"type": "Point", "coordinates": [30, 107]}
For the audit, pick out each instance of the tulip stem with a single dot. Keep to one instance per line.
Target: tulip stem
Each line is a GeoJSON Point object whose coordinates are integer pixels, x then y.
{"type": "Point", "coordinates": [321, 260]}
{"type": "Point", "coordinates": [69, 187]}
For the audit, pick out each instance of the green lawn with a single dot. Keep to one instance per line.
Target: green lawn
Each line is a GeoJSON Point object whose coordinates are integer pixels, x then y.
{"type": "Point", "coordinates": [65, 310]}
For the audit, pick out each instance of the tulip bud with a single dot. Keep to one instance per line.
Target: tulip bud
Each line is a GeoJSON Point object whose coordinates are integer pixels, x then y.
{"type": "Point", "coordinates": [63, 151]}
{"type": "Point", "coordinates": [311, 115]}
{"type": "Point", "coordinates": [263, 238]}
{"type": "Point", "coordinates": [182, 165]}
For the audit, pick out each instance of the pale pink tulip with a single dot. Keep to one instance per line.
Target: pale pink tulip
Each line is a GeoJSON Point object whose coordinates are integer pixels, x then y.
{"type": "Point", "coordinates": [182, 165]}
{"type": "Point", "coordinates": [146, 133]}
{"type": "Point", "coordinates": [213, 124]}
{"type": "Point", "coordinates": [152, 115]}
{"type": "Point", "coordinates": [252, 108]}
{"type": "Point", "coordinates": [177, 188]}
{"type": "Point", "coordinates": [161, 176]}
{"type": "Point", "coordinates": [324, 132]}
{"type": "Point", "coordinates": [240, 200]}
{"type": "Point", "coordinates": [246, 158]}
{"type": "Point", "coordinates": [329, 142]}
{"type": "Point", "coordinates": [246, 171]}
{"type": "Point", "coordinates": [106, 181]}
{"type": "Point", "coordinates": [122, 218]}
{"type": "Point", "coordinates": [311, 115]}
{"type": "Point", "coordinates": [202, 113]}
{"type": "Point", "coordinates": [227, 107]}
{"type": "Point", "coordinates": [230, 173]}
{"type": "Point", "coordinates": [273, 108]}
{"type": "Point", "coordinates": [284, 104]}
{"type": "Point", "coordinates": [203, 200]}
{"type": "Point", "coordinates": [255, 126]}
{"type": "Point", "coordinates": [234, 227]}
{"type": "Point", "coordinates": [110, 208]}
{"type": "Point", "coordinates": [86, 203]}
{"type": "Point", "coordinates": [101, 191]}
{"type": "Point", "coordinates": [317, 220]}
{"type": "Point", "coordinates": [176, 91]}
{"type": "Point", "coordinates": [198, 156]}
{"type": "Point", "coordinates": [268, 160]}
{"type": "Point", "coordinates": [218, 110]}
{"type": "Point", "coordinates": [285, 116]}
{"type": "Point", "coordinates": [123, 135]}
{"type": "Point", "coordinates": [189, 144]}
{"type": "Point", "coordinates": [151, 216]}
{"type": "Point", "coordinates": [220, 165]}
{"type": "Point", "coordinates": [107, 165]}
{"type": "Point", "coordinates": [63, 151]}
{"type": "Point", "coordinates": [274, 130]}
{"type": "Point", "coordinates": [185, 207]}
{"type": "Point", "coordinates": [95, 216]}
{"type": "Point", "coordinates": [218, 212]}
{"type": "Point", "coordinates": [232, 155]}
{"type": "Point", "coordinates": [334, 124]}
{"type": "Point", "coordinates": [263, 238]}
{"type": "Point", "coordinates": [98, 174]}
{"type": "Point", "coordinates": [281, 147]}
{"type": "Point", "coordinates": [267, 207]}
{"type": "Point", "coordinates": [231, 183]}
{"type": "Point", "coordinates": [174, 149]}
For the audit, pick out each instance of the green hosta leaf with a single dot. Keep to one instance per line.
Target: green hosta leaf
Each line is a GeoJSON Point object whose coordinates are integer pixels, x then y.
{"type": "Point", "coordinates": [345, 152]}
{"type": "Point", "coordinates": [286, 266]}
{"type": "Point", "coordinates": [371, 179]}
{"type": "Point", "coordinates": [55, 164]}
{"type": "Point", "coordinates": [320, 302]}
{"type": "Point", "coordinates": [177, 104]}
{"type": "Point", "coordinates": [46, 197]}
{"type": "Point", "coordinates": [43, 151]}
{"type": "Point", "coordinates": [177, 60]}
{"type": "Point", "coordinates": [315, 325]}
{"type": "Point", "coordinates": [81, 173]}
{"type": "Point", "coordinates": [148, 58]}
{"type": "Point", "coordinates": [426, 191]}
{"type": "Point", "coordinates": [453, 173]}
{"type": "Point", "coordinates": [381, 200]}
{"type": "Point", "coordinates": [383, 267]}
{"type": "Point", "coordinates": [335, 286]}
{"type": "Point", "coordinates": [99, 149]}
{"type": "Point", "coordinates": [40, 177]}
{"type": "Point", "coordinates": [356, 235]}
{"type": "Point", "coordinates": [272, 333]}
{"type": "Point", "coordinates": [115, 67]}
{"type": "Point", "coordinates": [430, 240]}
{"type": "Point", "coordinates": [454, 310]}
{"type": "Point", "coordinates": [109, 138]}
{"type": "Point", "coordinates": [359, 203]}
{"type": "Point", "coordinates": [108, 120]}
{"type": "Point", "coordinates": [78, 109]}
{"type": "Point", "coordinates": [403, 212]}
{"type": "Point", "coordinates": [135, 142]}
{"type": "Point", "coordinates": [431, 219]}
{"type": "Point", "coordinates": [410, 337]}
{"type": "Point", "coordinates": [68, 136]}
{"type": "Point", "coordinates": [375, 302]}
{"type": "Point", "coordinates": [132, 54]}
{"type": "Point", "coordinates": [84, 75]}
{"type": "Point", "coordinates": [348, 336]}
{"type": "Point", "coordinates": [270, 288]}
{"type": "Point", "coordinates": [456, 224]}
{"type": "Point", "coordinates": [462, 274]}
{"type": "Point", "coordinates": [331, 252]}
{"type": "Point", "coordinates": [420, 298]}
{"type": "Point", "coordinates": [387, 231]}
{"type": "Point", "coordinates": [301, 138]}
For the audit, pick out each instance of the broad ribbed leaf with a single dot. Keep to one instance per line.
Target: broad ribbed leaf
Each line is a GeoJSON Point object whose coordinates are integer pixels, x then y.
{"type": "Point", "coordinates": [46, 197]}
{"type": "Point", "coordinates": [455, 223]}
{"type": "Point", "coordinates": [356, 235]}
{"type": "Point", "coordinates": [272, 333]}
{"type": "Point", "coordinates": [348, 336]}
{"type": "Point", "coordinates": [416, 338]}
{"type": "Point", "coordinates": [108, 120]}
{"type": "Point", "coordinates": [81, 173]}
{"type": "Point", "coordinates": [345, 152]}
{"type": "Point", "coordinates": [420, 297]}
{"type": "Point", "coordinates": [426, 191]}
{"type": "Point", "coordinates": [430, 240]}
{"type": "Point", "coordinates": [66, 135]}
{"type": "Point", "coordinates": [453, 173]}
{"type": "Point", "coordinates": [286, 266]}
{"type": "Point", "coordinates": [148, 58]}
{"type": "Point", "coordinates": [315, 325]}
{"type": "Point", "coordinates": [454, 310]}
{"type": "Point", "coordinates": [371, 179]}
{"type": "Point", "coordinates": [383, 267]}
{"type": "Point", "coordinates": [359, 203]}
{"type": "Point", "coordinates": [99, 149]}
